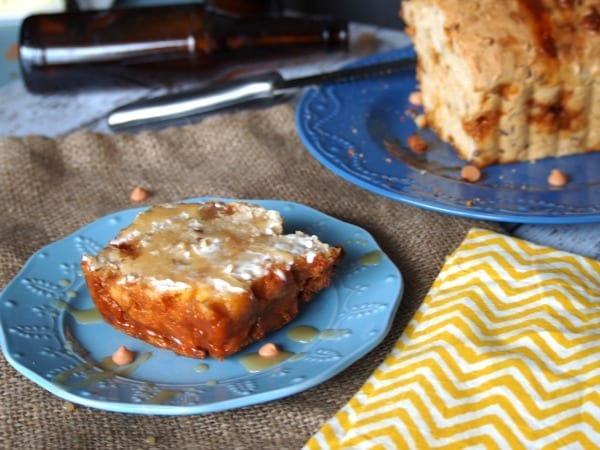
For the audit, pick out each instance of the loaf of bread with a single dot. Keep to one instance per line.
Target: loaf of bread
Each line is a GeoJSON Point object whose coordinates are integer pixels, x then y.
{"type": "Point", "coordinates": [509, 80]}
{"type": "Point", "coordinates": [206, 278]}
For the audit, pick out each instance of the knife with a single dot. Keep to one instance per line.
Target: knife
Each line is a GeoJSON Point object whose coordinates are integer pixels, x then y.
{"type": "Point", "coordinates": [235, 92]}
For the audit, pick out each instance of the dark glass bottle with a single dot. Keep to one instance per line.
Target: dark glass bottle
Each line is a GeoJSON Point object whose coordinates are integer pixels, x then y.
{"type": "Point", "coordinates": [138, 45]}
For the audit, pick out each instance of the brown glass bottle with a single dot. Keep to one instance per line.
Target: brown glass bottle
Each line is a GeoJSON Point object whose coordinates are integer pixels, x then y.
{"type": "Point", "coordinates": [138, 45]}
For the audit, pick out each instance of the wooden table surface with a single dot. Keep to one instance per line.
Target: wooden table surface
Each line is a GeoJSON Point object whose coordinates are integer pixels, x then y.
{"type": "Point", "coordinates": [58, 114]}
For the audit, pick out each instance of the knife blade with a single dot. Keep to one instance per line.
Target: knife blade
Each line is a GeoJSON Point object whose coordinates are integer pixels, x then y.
{"type": "Point", "coordinates": [235, 92]}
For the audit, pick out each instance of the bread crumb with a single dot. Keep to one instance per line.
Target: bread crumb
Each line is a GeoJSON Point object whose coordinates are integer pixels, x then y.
{"type": "Point", "coordinates": [367, 44]}
{"type": "Point", "coordinates": [411, 112]}
{"type": "Point", "coordinates": [416, 144]}
{"type": "Point", "coordinates": [470, 173]}
{"type": "Point", "coordinates": [421, 121]}
{"type": "Point", "coordinates": [139, 194]}
{"type": "Point", "coordinates": [268, 350]}
{"type": "Point", "coordinates": [12, 52]}
{"type": "Point", "coordinates": [557, 178]}
{"type": "Point", "coordinates": [390, 146]}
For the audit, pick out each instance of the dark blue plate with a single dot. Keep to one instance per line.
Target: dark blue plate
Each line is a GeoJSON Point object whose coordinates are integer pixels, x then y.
{"type": "Point", "coordinates": [358, 129]}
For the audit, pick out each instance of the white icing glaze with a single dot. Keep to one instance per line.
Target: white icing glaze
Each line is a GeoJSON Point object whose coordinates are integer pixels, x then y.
{"type": "Point", "coordinates": [213, 245]}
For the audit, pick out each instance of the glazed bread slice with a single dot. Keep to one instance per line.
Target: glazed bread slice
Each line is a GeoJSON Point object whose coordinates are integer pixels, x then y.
{"type": "Point", "coordinates": [206, 278]}
{"type": "Point", "coordinates": [509, 80]}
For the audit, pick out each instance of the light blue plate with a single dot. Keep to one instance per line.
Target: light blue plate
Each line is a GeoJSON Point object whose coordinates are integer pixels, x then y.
{"type": "Point", "coordinates": [358, 130]}
{"type": "Point", "coordinates": [52, 334]}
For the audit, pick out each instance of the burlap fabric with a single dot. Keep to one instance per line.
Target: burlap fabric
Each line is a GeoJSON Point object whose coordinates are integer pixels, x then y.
{"type": "Point", "coordinates": [51, 187]}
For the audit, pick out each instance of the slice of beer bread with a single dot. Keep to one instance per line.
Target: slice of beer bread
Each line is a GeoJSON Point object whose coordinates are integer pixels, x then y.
{"type": "Point", "coordinates": [206, 278]}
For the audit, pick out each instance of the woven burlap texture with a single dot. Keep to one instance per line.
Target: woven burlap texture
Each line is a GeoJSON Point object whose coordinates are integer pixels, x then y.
{"type": "Point", "coordinates": [51, 187]}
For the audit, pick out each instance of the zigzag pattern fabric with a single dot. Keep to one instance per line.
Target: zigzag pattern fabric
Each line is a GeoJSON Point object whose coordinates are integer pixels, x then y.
{"type": "Point", "coordinates": [504, 353]}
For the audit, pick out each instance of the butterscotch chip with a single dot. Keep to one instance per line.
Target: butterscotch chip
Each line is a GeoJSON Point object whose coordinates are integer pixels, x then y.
{"type": "Point", "coordinates": [415, 98]}
{"type": "Point", "coordinates": [416, 144]}
{"type": "Point", "coordinates": [268, 350]}
{"type": "Point", "coordinates": [69, 407]}
{"type": "Point", "coordinates": [139, 194]}
{"type": "Point", "coordinates": [557, 178]}
{"type": "Point", "coordinates": [123, 356]}
{"type": "Point", "coordinates": [470, 173]}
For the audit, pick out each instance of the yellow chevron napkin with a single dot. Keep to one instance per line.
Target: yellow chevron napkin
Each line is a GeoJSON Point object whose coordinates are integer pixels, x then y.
{"type": "Point", "coordinates": [504, 353]}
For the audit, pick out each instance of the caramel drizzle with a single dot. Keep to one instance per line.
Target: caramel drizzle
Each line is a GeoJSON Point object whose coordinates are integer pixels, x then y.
{"type": "Point", "coordinates": [541, 25]}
